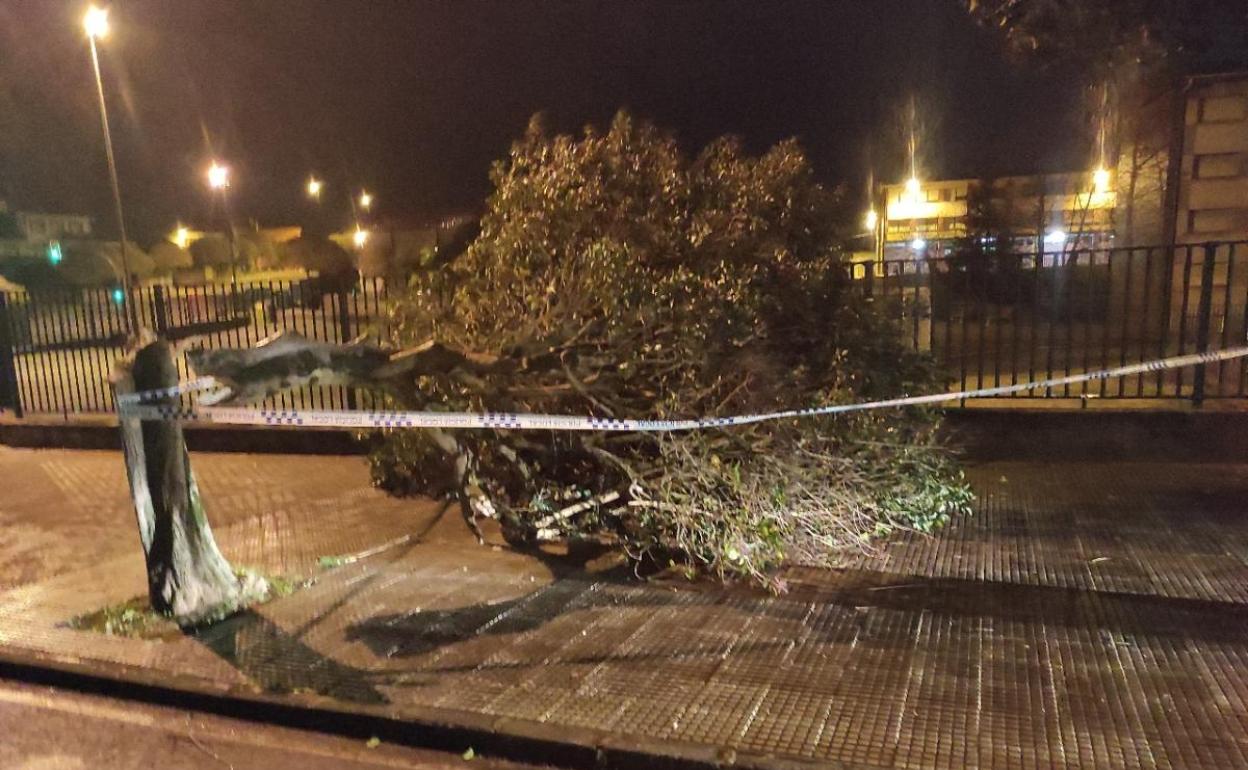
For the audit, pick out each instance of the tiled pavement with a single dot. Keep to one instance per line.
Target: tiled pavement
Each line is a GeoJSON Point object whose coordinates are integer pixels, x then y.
{"type": "Point", "coordinates": [1088, 615]}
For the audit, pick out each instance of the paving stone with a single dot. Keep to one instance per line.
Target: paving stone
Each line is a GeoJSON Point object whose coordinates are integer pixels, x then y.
{"type": "Point", "coordinates": [1087, 615]}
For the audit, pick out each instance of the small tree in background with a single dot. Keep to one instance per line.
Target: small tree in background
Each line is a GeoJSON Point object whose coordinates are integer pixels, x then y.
{"type": "Point", "coordinates": [213, 250]}
{"type": "Point", "coordinates": [169, 257]}
{"type": "Point", "coordinates": [614, 276]}
{"type": "Point", "coordinates": [319, 255]}
{"type": "Point", "coordinates": [257, 251]}
{"type": "Point", "coordinates": [97, 263]}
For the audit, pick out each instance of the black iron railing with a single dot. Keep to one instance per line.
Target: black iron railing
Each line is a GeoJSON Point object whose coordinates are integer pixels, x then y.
{"type": "Point", "coordinates": [57, 348]}
{"type": "Point", "coordinates": [987, 319]}
{"type": "Point", "coordinates": [1001, 319]}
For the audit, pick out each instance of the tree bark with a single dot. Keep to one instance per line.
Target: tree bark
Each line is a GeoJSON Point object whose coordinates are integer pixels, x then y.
{"type": "Point", "coordinates": [286, 361]}
{"type": "Point", "coordinates": [188, 578]}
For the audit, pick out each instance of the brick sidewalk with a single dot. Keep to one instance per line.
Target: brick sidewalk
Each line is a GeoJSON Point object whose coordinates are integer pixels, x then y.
{"type": "Point", "coordinates": [1087, 615]}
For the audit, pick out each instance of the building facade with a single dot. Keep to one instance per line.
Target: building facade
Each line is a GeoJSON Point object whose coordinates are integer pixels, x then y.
{"type": "Point", "coordinates": [1211, 203]}
{"type": "Point", "coordinates": [1180, 176]}
{"type": "Point", "coordinates": [1040, 212]}
{"type": "Point", "coordinates": [38, 226]}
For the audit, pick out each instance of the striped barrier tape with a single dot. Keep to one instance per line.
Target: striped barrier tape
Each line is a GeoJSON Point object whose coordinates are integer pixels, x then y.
{"type": "Point", "coordinates": [148, 396]}
{"type": "Point", "coordinates": [137, 405]}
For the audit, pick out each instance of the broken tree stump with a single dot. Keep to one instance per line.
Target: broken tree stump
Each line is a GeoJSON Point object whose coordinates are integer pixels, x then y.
{"type": "Point", "coordinates": [188, 577]}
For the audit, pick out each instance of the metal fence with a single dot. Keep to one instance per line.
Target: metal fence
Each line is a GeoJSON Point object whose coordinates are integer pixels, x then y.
{"type": "Point", "coordinates": [57, 348]}
{"type": "Point", "coordinates": [1001, 319]}
{"type": "Point", "coordinates": [987, 319]}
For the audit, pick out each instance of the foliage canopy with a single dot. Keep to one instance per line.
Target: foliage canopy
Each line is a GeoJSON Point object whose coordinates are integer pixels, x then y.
{"type": "Point", "coordinates": [616, 276]}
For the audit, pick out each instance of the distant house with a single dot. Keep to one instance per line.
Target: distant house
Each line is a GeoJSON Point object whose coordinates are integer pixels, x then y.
{"type": "Point", "coordinates": [38, 226]}
{"type": "Point", "coordinates": [28, 234]}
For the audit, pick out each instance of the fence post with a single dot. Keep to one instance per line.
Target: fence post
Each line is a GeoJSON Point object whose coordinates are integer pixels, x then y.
{"type": "Point", "coordinates": [341, 299]}
{"type": "Point", "coordinates": [9, 391]}
{"type": "Point", "coordinates": [1203, 315]}
{"type": "Point", "coordinates": [160, 312]}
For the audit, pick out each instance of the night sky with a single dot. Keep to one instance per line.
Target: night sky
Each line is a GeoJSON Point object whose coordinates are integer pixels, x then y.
{"type": "Point", "coordinates": [415, 99]}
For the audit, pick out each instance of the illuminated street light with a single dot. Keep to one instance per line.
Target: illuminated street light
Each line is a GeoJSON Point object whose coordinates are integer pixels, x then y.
{"type": "Point", "coordinates": [95, 22]}
{"type": "Point", "coordinates": [218, 176]}
{"type": "Point", "coordinates": [219, 181]}
{"type": "Point", "coordinates": [912, 186]}
{"type": "Point", "coordinates": [181, 237]}
{"type": "Point", "coordinates": [872, 219]}
{"type": "Point", "coordinates": [359, 238]}
{"type": "Point", "coordinates": [314, 188]}
{"type": "Point", "coordinates": [366, 200]}
{"type": "Point", "coordinates": [1100, 180]}
{"type": "Point", "coordinates": [918, 244]}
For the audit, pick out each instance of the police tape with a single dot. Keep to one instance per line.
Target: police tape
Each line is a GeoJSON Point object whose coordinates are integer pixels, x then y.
{"type": "Point", "coordinates": [139, 406]}
{"type": "Point", "coordinates": [147, 396]}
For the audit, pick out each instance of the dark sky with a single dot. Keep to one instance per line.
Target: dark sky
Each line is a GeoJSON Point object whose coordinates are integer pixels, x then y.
{"type": "Point", "coordinates": [414, 99]}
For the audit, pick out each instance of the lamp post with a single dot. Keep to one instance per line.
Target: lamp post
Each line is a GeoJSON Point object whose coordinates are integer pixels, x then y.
{"type": "Point", "coordinates": [219, 181]}
{"type": "Point", "coordinates": [95, 22]}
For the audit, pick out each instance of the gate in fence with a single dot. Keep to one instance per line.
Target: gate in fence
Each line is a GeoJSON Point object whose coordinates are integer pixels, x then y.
{"type": "Point", "coordinates": [988, 319]}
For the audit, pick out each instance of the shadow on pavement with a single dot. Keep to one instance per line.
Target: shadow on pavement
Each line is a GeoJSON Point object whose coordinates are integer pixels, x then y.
{"type": "Point", "coordinates": [281, 663]}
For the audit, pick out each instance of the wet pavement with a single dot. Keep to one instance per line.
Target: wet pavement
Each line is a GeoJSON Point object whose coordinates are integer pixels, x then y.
{"type": "Point", "coordinates": [1087, 615]}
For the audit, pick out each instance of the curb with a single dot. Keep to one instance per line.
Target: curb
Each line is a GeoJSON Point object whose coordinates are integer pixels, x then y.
{"type": "Point", "coordinates": [437, 729]}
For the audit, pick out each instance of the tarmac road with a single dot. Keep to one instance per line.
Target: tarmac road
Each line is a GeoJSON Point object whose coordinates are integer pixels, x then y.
{"type": "Point", "coordinates": [46, 728]}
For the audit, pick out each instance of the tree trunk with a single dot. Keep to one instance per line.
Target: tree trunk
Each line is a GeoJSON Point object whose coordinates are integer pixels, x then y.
{"type": "Point", "coordinates": [187, 576]}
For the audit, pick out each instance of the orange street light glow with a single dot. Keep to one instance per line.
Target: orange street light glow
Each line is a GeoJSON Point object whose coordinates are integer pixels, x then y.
{"type": "Point", "coordinates": [218, 176]}
{"type": "Point", "coordinates": [95, 22]}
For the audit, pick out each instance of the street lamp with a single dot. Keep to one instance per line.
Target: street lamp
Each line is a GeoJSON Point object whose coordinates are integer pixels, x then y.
{"type": "Point", "coordinates": [359, 237]}
{"type": "Point", "coordinates": [218, 176]}
{"type": "Point", "coordinates": [366, 200]}
{"type": "Point", "coordinates": [314, 188]}
{"type": "Point", "coordinates": [219, 181]}
{"type": "Point", "coordinates": [95, 22]}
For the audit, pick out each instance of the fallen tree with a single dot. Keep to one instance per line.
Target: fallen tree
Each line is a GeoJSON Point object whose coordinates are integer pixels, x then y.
{"type": "Point", "coordinates": [613, 276]}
